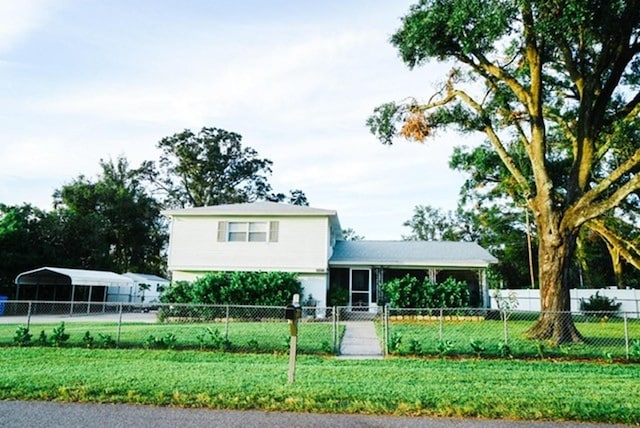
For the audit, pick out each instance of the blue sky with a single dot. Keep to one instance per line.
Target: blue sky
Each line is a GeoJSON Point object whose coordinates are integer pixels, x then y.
{"type": "Point", "coordinates": [84, 80]}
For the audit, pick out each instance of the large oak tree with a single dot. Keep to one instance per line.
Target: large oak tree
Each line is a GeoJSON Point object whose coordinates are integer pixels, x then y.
{"type": "Point", "coordinates": [554, 87]}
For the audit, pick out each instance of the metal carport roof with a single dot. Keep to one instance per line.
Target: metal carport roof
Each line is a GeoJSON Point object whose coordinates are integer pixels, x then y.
{"type": "Point", "coordinates": [62, 276]}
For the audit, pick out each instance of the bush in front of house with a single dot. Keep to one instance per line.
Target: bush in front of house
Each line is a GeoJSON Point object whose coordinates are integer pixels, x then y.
{"type": "Point", "coordinates": [236, 288]}
{"type": "Point", "coordinates": [409, 292]}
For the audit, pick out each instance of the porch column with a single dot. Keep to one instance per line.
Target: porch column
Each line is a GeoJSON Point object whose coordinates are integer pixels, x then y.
{"type": "Point", "coordinates": [484, 287]}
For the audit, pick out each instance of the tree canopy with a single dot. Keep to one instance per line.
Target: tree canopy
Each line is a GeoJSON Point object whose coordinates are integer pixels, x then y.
{"type": "Point", "coordinates": [554, 88]}
{"type": "Point", "coordinates": [210, 167]}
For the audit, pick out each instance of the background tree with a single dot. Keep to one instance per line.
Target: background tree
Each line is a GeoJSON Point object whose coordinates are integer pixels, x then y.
{"type": "Point", "coordinates": [554, 88]}
{"type": "Point", "coordinates": [112, 223]}
{"type": "Point", "coordinates": [495, 228]}
{"type": "Point", "coordinates": [208, 168]}
{"type": "Point", "coordinates": [20, 237]}
{"type": "Point", "coordinates": [349, 234]}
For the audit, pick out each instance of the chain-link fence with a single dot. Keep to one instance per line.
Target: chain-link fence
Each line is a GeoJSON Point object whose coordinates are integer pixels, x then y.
{"type": "Point", "coordinates": [512, 334]}
{"type": "Point", "coordinates": [174, 326]}
{"type": "Point", "coordinates": [411, 332]}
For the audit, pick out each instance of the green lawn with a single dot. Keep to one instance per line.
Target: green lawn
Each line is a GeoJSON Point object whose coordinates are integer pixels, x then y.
{"type": "Point", "coordinates": [268, 337]}
{"type": "Point", "coordinates": [604, 339]}
{"type": "Point", "coordinates": [511, 389]}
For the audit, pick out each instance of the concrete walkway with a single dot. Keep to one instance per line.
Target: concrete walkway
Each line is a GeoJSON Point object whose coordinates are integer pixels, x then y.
{"type": "Point", "coordinates": [360, 341]}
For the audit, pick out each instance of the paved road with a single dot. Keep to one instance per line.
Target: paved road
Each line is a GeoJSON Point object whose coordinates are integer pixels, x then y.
{"type": "Point", "coordinates": [21, 414]}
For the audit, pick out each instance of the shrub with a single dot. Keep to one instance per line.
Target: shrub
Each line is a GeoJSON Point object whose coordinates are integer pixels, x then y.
{"type": "Point", "coordinates": [395, 340]}
{"type": "Point", "coordinates": [166, 342]}
{"type": "Point", "coordinates": [404, 292]}
{"type": "Point", "coordinates": [337, 296]}
{"type": "Point", "coordinates": [236, 288]}
{"type": "Point", "coordinates": [408, 292]}
{"type": "Point", "coordinates": [22, 336]}
{"type": "Point", "coordinates": [504, 350]}
{"type": "Point", "coordinates": [210, 338]}
{"type": "Point", "coordinates": [415, 347]}
{"type": "Point", "coordinates": [602, 304]}
{"type": "Point", "coordinates": [106, 341]}
{"type": "Point", "coordinates": [42, 338]}
{"type": "Point", "coordinates": [444, 347]}
{"type": "Point", "coordinates": [88, 340]}
{"type": "Point", "coordinates": [477, 346]}
{"type": "Point", "coordinates": [58, 335]}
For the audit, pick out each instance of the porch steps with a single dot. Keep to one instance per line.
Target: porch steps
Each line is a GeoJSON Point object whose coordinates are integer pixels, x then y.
{"type": "Point", "coordinates": [360, 341]}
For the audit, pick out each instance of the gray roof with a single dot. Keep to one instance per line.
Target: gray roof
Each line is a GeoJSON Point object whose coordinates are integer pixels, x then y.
{"type": "Point", "coordinates": [252, 208]}
{"type": "Point", "coordinates": [55, 275]}
{"type": "Point", "coordinates": [411, 254]}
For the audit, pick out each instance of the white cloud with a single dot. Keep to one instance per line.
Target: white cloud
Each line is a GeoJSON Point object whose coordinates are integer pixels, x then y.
{"type": "Point", "coordinates": [18, 18]}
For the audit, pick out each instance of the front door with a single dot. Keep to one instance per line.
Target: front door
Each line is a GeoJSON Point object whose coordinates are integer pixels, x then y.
{"type": "Point", "coordinates": [360, 289]}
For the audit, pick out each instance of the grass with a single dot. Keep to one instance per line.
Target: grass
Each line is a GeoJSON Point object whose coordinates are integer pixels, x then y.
{"type": "Point", "coordinates": [266, 337]}
{"type": "Point", "coordinates": [604, 339]}
{"type": "Point", "coordinates": [513, 389]}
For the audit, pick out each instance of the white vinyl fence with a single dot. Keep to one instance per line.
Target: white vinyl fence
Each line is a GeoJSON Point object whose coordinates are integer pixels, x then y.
{"type": "Point", "coordinates": [529, 300]}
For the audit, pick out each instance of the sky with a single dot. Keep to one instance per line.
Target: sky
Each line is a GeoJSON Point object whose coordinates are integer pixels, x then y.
{"type": "Point", "coordinates": [85, 80]}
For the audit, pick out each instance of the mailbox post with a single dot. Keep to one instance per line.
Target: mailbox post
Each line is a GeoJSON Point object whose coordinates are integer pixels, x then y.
{"type": "Point", "coordinates": [292, 313]}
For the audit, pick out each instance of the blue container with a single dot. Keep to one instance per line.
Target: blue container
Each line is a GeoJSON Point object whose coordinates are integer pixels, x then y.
{"type": "Point", "coordinates": [2, 300]}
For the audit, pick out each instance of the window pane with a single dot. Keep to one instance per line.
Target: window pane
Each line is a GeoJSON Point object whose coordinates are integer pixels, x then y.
{"type": "Point", "coordinates": [360, 280]}
{"type": "Point", "coordinates": [258, 227]}
{"type": "Point", "coordinates": [236, 226]}
{"type": "Point", "coordinates": [237, 236]}
{"type": "Point", "coordinates": [258, 231]}
{"type": "Point", "coordinates": [257, 236]}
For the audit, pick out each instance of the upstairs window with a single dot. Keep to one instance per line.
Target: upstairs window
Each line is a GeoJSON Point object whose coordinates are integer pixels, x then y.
{"type": "Point", "coordinates": [248, 231]}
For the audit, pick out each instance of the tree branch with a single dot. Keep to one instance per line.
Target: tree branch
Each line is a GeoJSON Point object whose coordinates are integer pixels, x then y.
{"type": "Point", "coordinates": [627, 249]}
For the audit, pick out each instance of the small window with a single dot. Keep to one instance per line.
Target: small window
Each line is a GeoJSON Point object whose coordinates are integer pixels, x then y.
{"type": "Point", "coordinates": [258, 232]}
{"type": "Point", "coordinates": [237, 231]}
{"type": "Point", "coordinates": [242, 231]}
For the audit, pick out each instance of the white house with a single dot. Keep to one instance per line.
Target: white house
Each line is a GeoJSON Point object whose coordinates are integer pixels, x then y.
{"type": "Point", "coordinates": [268, 236]}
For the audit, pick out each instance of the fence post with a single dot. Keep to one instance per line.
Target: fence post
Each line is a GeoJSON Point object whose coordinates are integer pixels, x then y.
{"type": "Point", "coordinates": [335, 329]}
{"type": "Point", "coordinates": [29, 314]}
{"type": "Point", "coordinates": [119, 326]}
{"type": "Point", "coordinates": [387, 328]}
{"type": "Point", "coordinates": [440, 324]}
{"type": "Point", "coordinates": [626, 335]}
{"type": "Point", "coordinates": [226, 324]}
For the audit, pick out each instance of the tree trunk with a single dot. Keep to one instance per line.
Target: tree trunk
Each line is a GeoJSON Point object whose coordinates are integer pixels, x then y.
{"type": "Point", "coordinates": [555, 323]}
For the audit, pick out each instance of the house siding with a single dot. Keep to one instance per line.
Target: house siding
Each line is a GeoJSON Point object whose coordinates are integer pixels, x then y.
{"type": "Point", "coordinates": [300, 247]}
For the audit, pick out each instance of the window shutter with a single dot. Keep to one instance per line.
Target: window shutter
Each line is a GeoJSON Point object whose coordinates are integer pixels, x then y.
{"type": "Point", "coordinates": [273, 231]}
{"type": "Point", "coordinates": [222, 231]}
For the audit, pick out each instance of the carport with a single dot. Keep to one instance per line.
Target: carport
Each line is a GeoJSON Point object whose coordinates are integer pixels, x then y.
{"type": "Point", "coordinates": [67, 285]}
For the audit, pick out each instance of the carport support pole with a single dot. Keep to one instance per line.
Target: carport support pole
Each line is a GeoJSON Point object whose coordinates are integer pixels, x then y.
{"type": "Point", "coordinates": [73, 294]}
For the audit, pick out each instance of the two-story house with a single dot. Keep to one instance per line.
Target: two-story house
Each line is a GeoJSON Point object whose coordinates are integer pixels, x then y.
{"type": "Point", "coordinates": [268, 236]}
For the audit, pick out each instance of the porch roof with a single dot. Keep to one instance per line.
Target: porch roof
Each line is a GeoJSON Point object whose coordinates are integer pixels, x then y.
{"type": "Point", "coordinates": [411, 254]}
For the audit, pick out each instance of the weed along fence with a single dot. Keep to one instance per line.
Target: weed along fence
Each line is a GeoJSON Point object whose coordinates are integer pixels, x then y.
{"type": "Point", "coordinates": [469, 333]}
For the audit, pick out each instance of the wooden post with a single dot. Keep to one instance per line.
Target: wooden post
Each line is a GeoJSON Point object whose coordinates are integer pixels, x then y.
{"type": "Point", "coordinates": [293, 342]}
